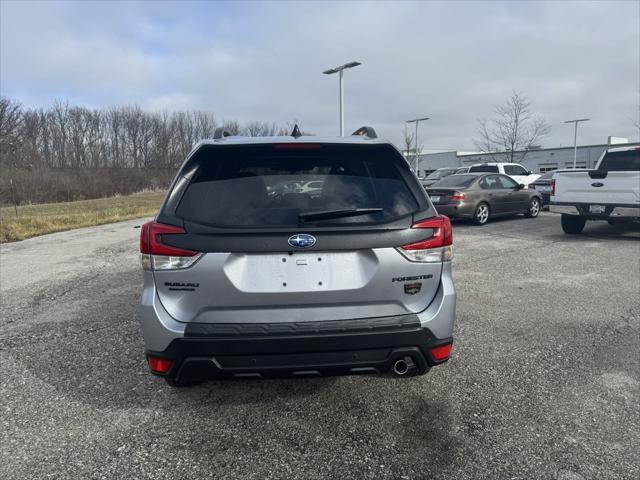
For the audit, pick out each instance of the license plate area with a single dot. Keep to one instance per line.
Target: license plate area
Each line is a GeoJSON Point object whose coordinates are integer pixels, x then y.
{"type": "Point", "coordinates": [300, 272]}
{"type": "Point", "coordinates": [435, 199]}
{"type": "Point", "coordinates": [598, 209]}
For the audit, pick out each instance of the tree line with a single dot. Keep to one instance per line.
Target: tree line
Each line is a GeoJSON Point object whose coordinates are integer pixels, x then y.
{"type": "Point", "coordinates": [65, 152]}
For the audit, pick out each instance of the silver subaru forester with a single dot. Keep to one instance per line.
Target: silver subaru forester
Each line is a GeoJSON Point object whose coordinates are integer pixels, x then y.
{"type": "Point", "coordinates": [250, 272]}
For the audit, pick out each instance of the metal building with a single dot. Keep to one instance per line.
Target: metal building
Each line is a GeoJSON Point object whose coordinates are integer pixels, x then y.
{"type": "Point", "coordinates": [538, 161]}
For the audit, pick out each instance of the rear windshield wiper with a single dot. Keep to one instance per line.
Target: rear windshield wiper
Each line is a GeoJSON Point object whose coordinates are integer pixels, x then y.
{"type": "Point", "coordinates": [347, 212]}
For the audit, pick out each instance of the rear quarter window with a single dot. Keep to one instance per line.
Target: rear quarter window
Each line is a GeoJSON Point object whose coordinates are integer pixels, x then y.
{"type": "Point", "coordinates": [484, 168]}
{"type": "Point", "coordinates": [266, 186]}
{"type": "Point", "coordinates": [625, 161]}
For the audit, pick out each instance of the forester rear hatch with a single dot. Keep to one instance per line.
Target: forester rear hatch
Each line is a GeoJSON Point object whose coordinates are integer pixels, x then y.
{"type": "Point", "coordinates": [295, 232]}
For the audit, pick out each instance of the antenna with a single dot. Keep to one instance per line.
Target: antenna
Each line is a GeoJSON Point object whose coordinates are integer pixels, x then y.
{"type": "Point", "coordinates": [296, 131]}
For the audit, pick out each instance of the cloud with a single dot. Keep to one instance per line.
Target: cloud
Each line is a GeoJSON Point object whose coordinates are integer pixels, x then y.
{"type": "Point", "coordinates": [451, 61]}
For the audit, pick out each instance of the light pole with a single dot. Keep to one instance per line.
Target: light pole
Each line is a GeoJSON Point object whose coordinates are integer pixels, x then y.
{"type": "Point", "coordinates": [341, 70]}
{"type": "Point", "coordinates": [417, 121]}
{"type": "Point", "coordinates": [575, 137]}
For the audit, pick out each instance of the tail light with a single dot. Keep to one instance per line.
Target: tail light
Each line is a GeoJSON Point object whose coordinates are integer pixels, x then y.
{"type": "Point", "coordinates": [553, 187]}
{"type": "Point", "coordinates": [458, 196]}
{"type": "Point", "coordinates": [159, 365]}
{"type": "Point", "coordinates": [441, 353]}
{"type": "Point", "coordinates": [159, 256]}
{"type": "Point", "coordinates": [435, 249]}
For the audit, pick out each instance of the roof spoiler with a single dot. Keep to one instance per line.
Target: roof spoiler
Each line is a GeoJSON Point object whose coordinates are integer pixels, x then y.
{"type": "Point", "coordinates": [365, 131]}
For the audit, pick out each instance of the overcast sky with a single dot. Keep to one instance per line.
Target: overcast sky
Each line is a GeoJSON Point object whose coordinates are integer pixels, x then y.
{"type": "Point", "coordinates": [453, 61]}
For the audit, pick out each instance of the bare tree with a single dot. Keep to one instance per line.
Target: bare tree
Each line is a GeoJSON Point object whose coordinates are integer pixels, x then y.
{"type": "Point", "coordinates": [10, 120]}
{"type": "Point", "coordinates": [410, 149]}
{"type": "Point", "coordinates": [514, 131]}
{"type": "Point", "coordinates": [65, 152]}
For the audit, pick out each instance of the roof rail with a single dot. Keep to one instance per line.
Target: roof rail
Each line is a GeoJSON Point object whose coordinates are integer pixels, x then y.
{"type": "Point", "coordinates": [221, 132]}
{"type": "Point", "coordinates": [366, 132]}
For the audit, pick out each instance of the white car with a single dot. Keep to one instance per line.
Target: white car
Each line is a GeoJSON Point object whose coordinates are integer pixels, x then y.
{"type": "Point", "coordinates": [514, 170]}
{"type": "Point", "coordinates": [610, 192]}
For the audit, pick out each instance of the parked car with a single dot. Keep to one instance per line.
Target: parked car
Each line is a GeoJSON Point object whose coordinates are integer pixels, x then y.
{"type": "Point", "coordinates": [481, 196]}
{"type": "Point", "coordinates": [436, 175]}
{"type": "Point", "coordinates": [239, 283]}
{"type": "Point", "coordinates": [462, 170]}
{"type": "Point", "coordinates": [516, 171]}
{"type": "Point", "coordinates": [543, 185]}
{"type": "Point", "coordinates": [610, 192]}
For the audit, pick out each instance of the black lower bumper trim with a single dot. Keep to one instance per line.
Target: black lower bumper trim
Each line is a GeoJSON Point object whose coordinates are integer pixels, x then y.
{"type": "Point", "coordinates": [276, 355]}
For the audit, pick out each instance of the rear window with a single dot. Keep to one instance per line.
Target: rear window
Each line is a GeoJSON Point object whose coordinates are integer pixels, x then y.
{"type": "Point", "coordinates": [484, 168]}
{"type": "Point", "coordinates": [628, 160]}
{"type": "Point", "coordinates": [441, 173]}
{"type": "Point", "coordinates": [546, 176]}
{"type": "Point", "coordinates": [276, 185]}
{"type": "Point", "coordinates": [455, 181]}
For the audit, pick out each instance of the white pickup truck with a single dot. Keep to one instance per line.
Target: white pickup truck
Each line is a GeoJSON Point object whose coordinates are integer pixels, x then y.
{"type": "Point", "coordinates": [516, 171]}
{"type": "Point", "coordinates": [610, 192]}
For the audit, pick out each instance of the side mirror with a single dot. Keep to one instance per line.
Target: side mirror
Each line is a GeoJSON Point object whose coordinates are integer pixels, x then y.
{"type": "Point", "coordinates": [520, 186]}
{"type": "Point", "coordinates": [529, 172]}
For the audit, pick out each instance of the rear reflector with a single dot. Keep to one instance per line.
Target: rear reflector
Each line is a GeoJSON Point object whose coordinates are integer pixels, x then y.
{"type": "Point", "coordinates": [159, 256]}
{"type": "Point", "coordinates": [159, 365]}
{"type": "Point", "coordinates": [441, 353]}
{"type": "Point", "coordinates": [436, 248]}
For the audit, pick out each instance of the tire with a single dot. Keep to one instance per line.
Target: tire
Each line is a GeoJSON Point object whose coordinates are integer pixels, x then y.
{"type": "Point", "coordinates": [481, 214]}
{"type": "Point", "coordinates": [572, 224]}
{"type": "Point", "coordinates": [534, 208]}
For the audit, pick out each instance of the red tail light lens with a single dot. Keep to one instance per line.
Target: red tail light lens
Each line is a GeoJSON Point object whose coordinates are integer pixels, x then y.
{"type": "Point", "coordinates": [436, 248]}
{"type": "Point", "coordinates": [442, 233]}
{"type": "Point", "coordinates": [159, 365]}
{"type": "Point", "coordinates": [441, 353]}
{"type": "Point", "coordinates": [151, 242]}
{"type": "Point", "coordinates": [553, 186]}
{"type": "Point", "coordinates": [159, 256]}
{"type": "Point", "coordinates": [458, 196]}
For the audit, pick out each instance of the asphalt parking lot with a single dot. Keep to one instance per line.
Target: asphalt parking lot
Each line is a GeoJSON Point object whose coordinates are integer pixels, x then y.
{"type": "Point", "coordinates": [544, 382]}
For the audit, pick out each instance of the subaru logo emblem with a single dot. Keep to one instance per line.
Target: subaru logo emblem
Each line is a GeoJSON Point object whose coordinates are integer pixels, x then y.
{"type": "Point", "coordinates": [302, 240]}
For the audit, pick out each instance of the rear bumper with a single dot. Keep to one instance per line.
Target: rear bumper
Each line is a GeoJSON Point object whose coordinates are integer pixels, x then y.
{"type": "Point", "coordinates": [546, 198]}
{"type": "Point", "coordinates": [460, 210]}
{"type": "Point", "coordinates": [362, 346]}
{"type": "Point", "coordinates": [612, 211]}
{"type": "Point", "coordinates": [202, 351]}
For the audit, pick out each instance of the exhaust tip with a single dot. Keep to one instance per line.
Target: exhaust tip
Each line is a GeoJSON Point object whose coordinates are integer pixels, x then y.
{"type": "Point", "coordinates": [404, 366]}
{"type": "Point", "coordinates": [400, 368]}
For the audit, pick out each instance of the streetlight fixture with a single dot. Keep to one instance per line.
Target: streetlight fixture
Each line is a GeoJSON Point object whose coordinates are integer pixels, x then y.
{"type": "Point", "coordinates": [575, 137]}
{"type": "Point", "coordinates": [417, 121]}
{"type": "Point", "coordinates": [341, 70]}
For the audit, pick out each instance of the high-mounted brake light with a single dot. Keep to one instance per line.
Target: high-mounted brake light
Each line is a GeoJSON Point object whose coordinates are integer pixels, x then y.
{"type": "Point", "coordinates": [435, 249]}
{"type": "Point", "coordinates": [159, 365]}
{"type": "Point", "coordinates": [156, 255]}
{"type": "Point", "coordinates": [553, 187]}
{"type": "Point", "coordinates": [297, 146]}
{"type": "Point", "coordinates": [458, 196]}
